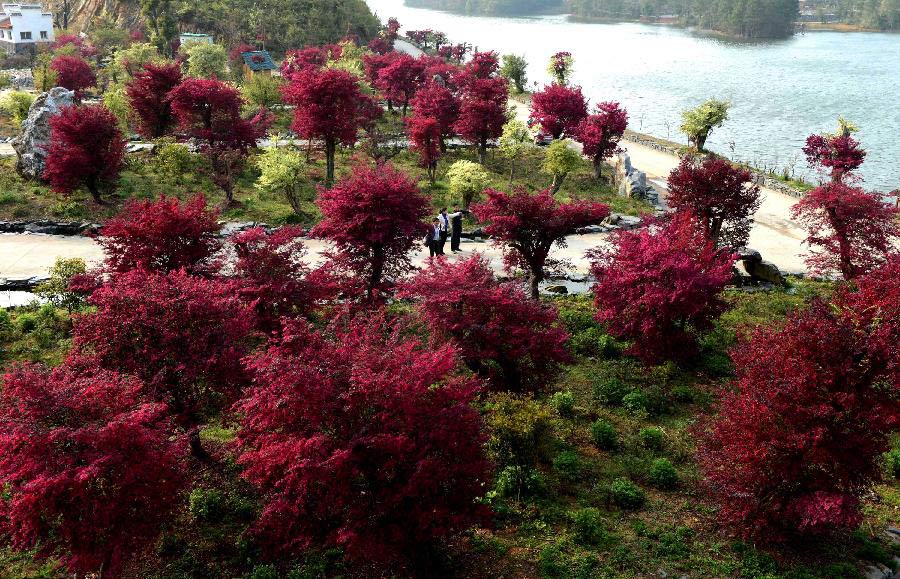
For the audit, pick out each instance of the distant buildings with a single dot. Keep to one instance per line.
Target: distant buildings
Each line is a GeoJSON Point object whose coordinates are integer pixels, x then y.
{"type": "Point", "coordinates": [23, 27]}
{"type": "Point", "coordinates": [258, 62]}
{"type": "Point", "coordinates": [188, 37]}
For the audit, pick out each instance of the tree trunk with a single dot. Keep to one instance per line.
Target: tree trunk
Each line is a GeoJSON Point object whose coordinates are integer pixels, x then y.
{"type": "Point", "coordinates": [534, 283]}
{"type": "Point", "coordinates": [512, 169]}
{"type": "Point", "coordinates": [196, 445]}
{"type": "Point", "coordinates": [557, 182]}
{"type": "Point", "coordinates": [482, 152]}
{"type": "Point", "coordinates": [377, 271]}
{"type": "Point", "coordinates": [330, 147]}
{"type": "Point", "coordinates": [94, 190]}
{"type": "Point", "coordinates": [598, 166]}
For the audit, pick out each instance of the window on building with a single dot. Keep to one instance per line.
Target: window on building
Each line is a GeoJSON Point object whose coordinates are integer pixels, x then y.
{"type": "Point", "coordinates": [26, 35]}
{"type": "Point", "coordinates": [43, 35]}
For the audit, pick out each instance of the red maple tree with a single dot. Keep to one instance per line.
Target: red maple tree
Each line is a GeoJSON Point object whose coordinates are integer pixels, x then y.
{"type": "Point", "coordinates": [360, 438]}
{"type": "Point", "coordinates": [721, 198]}
{"type": "Point", "coordinates": [659, 286]}
{"type": "Point", "coordinates": [209, 110]}
{"type": "Point", "coordinates": [86, 150]}
{"type": "Point", "coordinates": [162, 236]}
{"type": "Point", "coordinates": [425, 138]}
{"type": "Point", "coordinates": [374, 217]}
{"type": "Point", "coordinates": [516, 343]}
{"type": "Point", "coordinates": [148, 96]}
{"type": "Point", "coordinates": [436, 101]}
{"type": "Point", "coordinates": [482, 112]}
{"type": "Point", "coordinates": [793, 451]}
{"type": "Point", "coordinates": [89, 468]}
{"type": "Point", "coordinates": [599, 133]}
{"type": "Point", "coordinates": [559, 109]}
{"type": "Point", "coordinates": [527, 226]}
{"type": "Point", "coordinates": [73, 73]}
{"type": "Point", "coordinates": [838, 154]}
{"type": "Point", "coordinates": [330, 107]}
{"type": "Point", "coordinates": [482, 66]}
{"type": "Point", "coordinates": [400, 78]}
{"type": "Point", "coordinates": [301, 60]}
{"type": "Point", "coordinates": [851, 231]}
{"type": "Point", "coordinates": [184, 336]}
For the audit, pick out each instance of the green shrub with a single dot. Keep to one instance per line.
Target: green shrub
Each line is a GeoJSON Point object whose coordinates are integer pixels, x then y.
{"type": "Point", "coordinates": [173, 159]}
{"type": "Point", "coordinates": [594, 342]}
{"type": "Point", "coordinates": [563, 403]}
{"type": "Point", "coordinates": [263, 572]}
{"type": "Point", "coordinates": [577, 319]}
{"type": "Point", "coordinates": [56, 288]}
{"type": "Point", "coordinates": [26, 323]}
{"type": "Point", "coordinates": [6, 325]}
{"type": "Point", "coordinates": [673, 543]}
{"type": "Point", "coordinates": [517, 426]}
{"type": "Point", "coordinates": [636, 403]}
{"type": "Point", "coordinates": [551, 562]}
{"type": "Point", "coordinates": [626, 495]}
{"type": "Point", "coordinates": [651, 438]}
{"type": "Point", "coordinates": [588, 526]}
{"type": "Point", "coordinates": [207, 505]}
{"type": "Point", "coordinates": [663, 475]}
{"type": "Point", "coordinates": [568, 466]}
{"type": "Point", "coordinates": [604, 434]}
{"type": "Point", "coordinates": [611, 391]}
{"type": "Point", "coordinates": [519, 481]}
{"type": "Point", "coordinates": [892, 463]}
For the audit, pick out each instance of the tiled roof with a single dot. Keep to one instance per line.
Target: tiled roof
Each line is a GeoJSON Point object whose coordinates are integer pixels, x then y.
{"type": "Point", "coordinates": [258, 60]}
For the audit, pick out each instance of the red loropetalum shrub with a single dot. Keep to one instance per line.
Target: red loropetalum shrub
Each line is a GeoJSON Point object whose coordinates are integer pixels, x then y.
{"type": "Point", "coordinates": [435, 101]}
{"type": "Point", "coordinates": [720, 197]}
{"type": "Point", "coordinates": [148, 97]}
{"type": "Point", "coordinates": [73, 73]}
{"type": "Point", "coordinates": [184, 336]}
{"type": "Point", "coordinates": [400, 78]}
{"type": "Point", "coordinates": [850, 230]}
{"type": "Point", "coordinates": [482, 111]}
{"type": "Point", "coordinates": [361, 439]}
{"type": "Point", "coordinates": [425, 138]}
{"type": "Point", "coordinates": [659, 286]}
{"type": "Point", "coordinates": [274, 278]}
{"type": "Point", "coordinates": [330, 107]}
{"type": "Point", "coordinates": [527, 226]}
{"type": "Point", "coordinates": [838, 154]}
{"type": "Point", "coordinates": [599, 133]}
{"type": "Point", "coordinates": [89, 469]}
{"type": "Point", "coordinates": [559, 109]}
{"type": "Point", "coordinates": [515, 342]}
{"type": "Point", "coordinates": [374, 217]}
{"type": "Point", "coordinates": [797, 441]}
{"type": "Point", "coordinates": [86, 150]}
{"type": "Point", "coordinates": [162, 236]}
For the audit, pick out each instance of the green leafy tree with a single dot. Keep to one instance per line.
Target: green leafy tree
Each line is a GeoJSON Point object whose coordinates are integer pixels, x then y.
{"type": "Point", "coordinates": [698, 122]}
{"type": "Point", "coordinates": [283, 172]}
{"type": "Point", "coordinates": [56, 288]}
{"type": "Point", "coordinates": [515, 69]}
{"type": "Point", "coordinates": [161, 17]}
{"type": "Point", "coordinates": [560, 160]}
{"type": "Point", "coordinates": [44, 75]}
{"type": "Point", "coordinates": [514, 142]}
{"type": "Point", "coordinates": [350, 60]}
{"type": "Point", "coordinates": [262, 91]}
{"type": "Point", "coordinates": [206, 60]}
{"type": "Point", "coordinates": [116, 101]}
{"type": "Point", "coordinates": [467, 179]}
{"type": "Point", "coordinates": [129, 61]}
{"type": "Point", "coordinates": [15, 105]}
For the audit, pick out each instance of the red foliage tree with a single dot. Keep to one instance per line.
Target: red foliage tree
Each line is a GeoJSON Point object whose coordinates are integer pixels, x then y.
{"type": "Point", "coordinates": [391, 31]}
{"type": "Point", "coordinates": [513, 341]}
{"type": "Point", "coordinates": [379, 46]}
{"type": "Point", "coordinates": [374, 216]}
{"type": "Point", "coordinates": [793, 450]}
{"type": "Point", "coordinates": [599, 134]}
{"type": "Point", "coordinates": [850, 230]}
{"type": "Point", "coordinates": [838, 154]}
{"type": "Point", "coordinates": [658, 287]}
{"type": "Point", "coordinates": [73, 73]}
{"type": "Point", "coordinates": [274, 278]}
{"type": "Point", "coordinates": [85, 49]}
{"type": "Point", "coordinates": [209, 110]}
{"type": "Point", "coordinates": [527, 226]}
{"type": "Point", "coordinates": [559, 109]}
{"type": "Point", "coordinates": [161, 236]}
{"type": "Point", "coordinates": [331, 107]}
{"type": "Point", "coordinates": [148, 96]}
{"type": "Point", "coordinates": [362, 440]}
{"type": "Point", "coordinates": [482, 112]}
{"type": "Point", "coordinates": [184, 336]}
{"type": "Point", "coordinates": [400, 78]}
{"type": "Point", "coordinates": [373, 64]}
{"type": "Point", "coordinates": [297, 61]}
{"type": "Point", "coordinates": [721, 198]}
{"type": "Point", "coordinates": [436, 101]}
{"type": "Point", "coordinates": [482, 66]}
{"type": "Point", "coordinates": [89, 469]}
{"type": "Point", "coordinates": [425, 136]}
{"type": "Point", "coordinates": [86, 150]}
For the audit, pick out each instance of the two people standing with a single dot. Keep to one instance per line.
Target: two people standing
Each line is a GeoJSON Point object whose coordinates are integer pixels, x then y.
{"type": "Point", "coordinates": [443, 226]}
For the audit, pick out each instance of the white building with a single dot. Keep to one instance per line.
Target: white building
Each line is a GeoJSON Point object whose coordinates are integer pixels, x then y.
{"type": "Point", "coordinates": [23, 26]}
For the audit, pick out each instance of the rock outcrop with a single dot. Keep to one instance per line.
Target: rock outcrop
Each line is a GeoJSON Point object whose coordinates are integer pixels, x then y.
{"type": "Point", "coordinates": [31, 145]}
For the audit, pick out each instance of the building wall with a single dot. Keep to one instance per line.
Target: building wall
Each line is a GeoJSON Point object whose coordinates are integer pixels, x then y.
{"type": "Point", "coordinates": [29, 19]}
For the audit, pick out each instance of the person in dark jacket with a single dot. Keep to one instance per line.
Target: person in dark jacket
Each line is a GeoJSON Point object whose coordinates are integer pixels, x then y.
{"type": "Point", "coordinates": [433, 239]}
{"type": "Point", "coordinates": [456, 228]}
{"type": "Point", "coordinates": [444, 223]}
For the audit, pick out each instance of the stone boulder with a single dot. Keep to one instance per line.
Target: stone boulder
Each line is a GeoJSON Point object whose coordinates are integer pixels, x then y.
{"type": "Point", "coordinates": [31, 145]}
{"type": "Point", "coordinates": [634, 185]}
{"type": "Point", "coordinates": [765, 271]}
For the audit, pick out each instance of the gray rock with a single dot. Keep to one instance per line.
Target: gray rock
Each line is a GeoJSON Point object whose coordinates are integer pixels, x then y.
{"type": "Point", "coordinates": [747, 254]}
{"type": "Point", "coordinates": [877, 572]}
{"type": "Point", "coordinates": [556, 289]}
{"type": "Point", "coordinates": [31, 144]}
{"type": "Point", "coordinates": [634, 185]}
{"type": "Point", "coordinates": [629, 221]}
{"type": "Point", "coordinates": [764, 271]}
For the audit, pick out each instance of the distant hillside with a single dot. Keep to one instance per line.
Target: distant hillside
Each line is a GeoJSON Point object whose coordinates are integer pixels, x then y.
{"type": "Point", "coordinates": [492, 7]}
{"type": "Point", "coordinates": [284, 23]}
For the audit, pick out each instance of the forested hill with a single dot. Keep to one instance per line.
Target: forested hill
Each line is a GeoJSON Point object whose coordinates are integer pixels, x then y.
{"type": "Point", "coordinates": [743, 18]}
{"type": "Point", "coordinates": [285, 23]}
{"type": "Point", "coordinates": [492, 7]}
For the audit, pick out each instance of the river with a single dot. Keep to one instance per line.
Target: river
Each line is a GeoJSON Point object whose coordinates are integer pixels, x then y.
{"type": "Point", "coordinates": [781, 91]}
